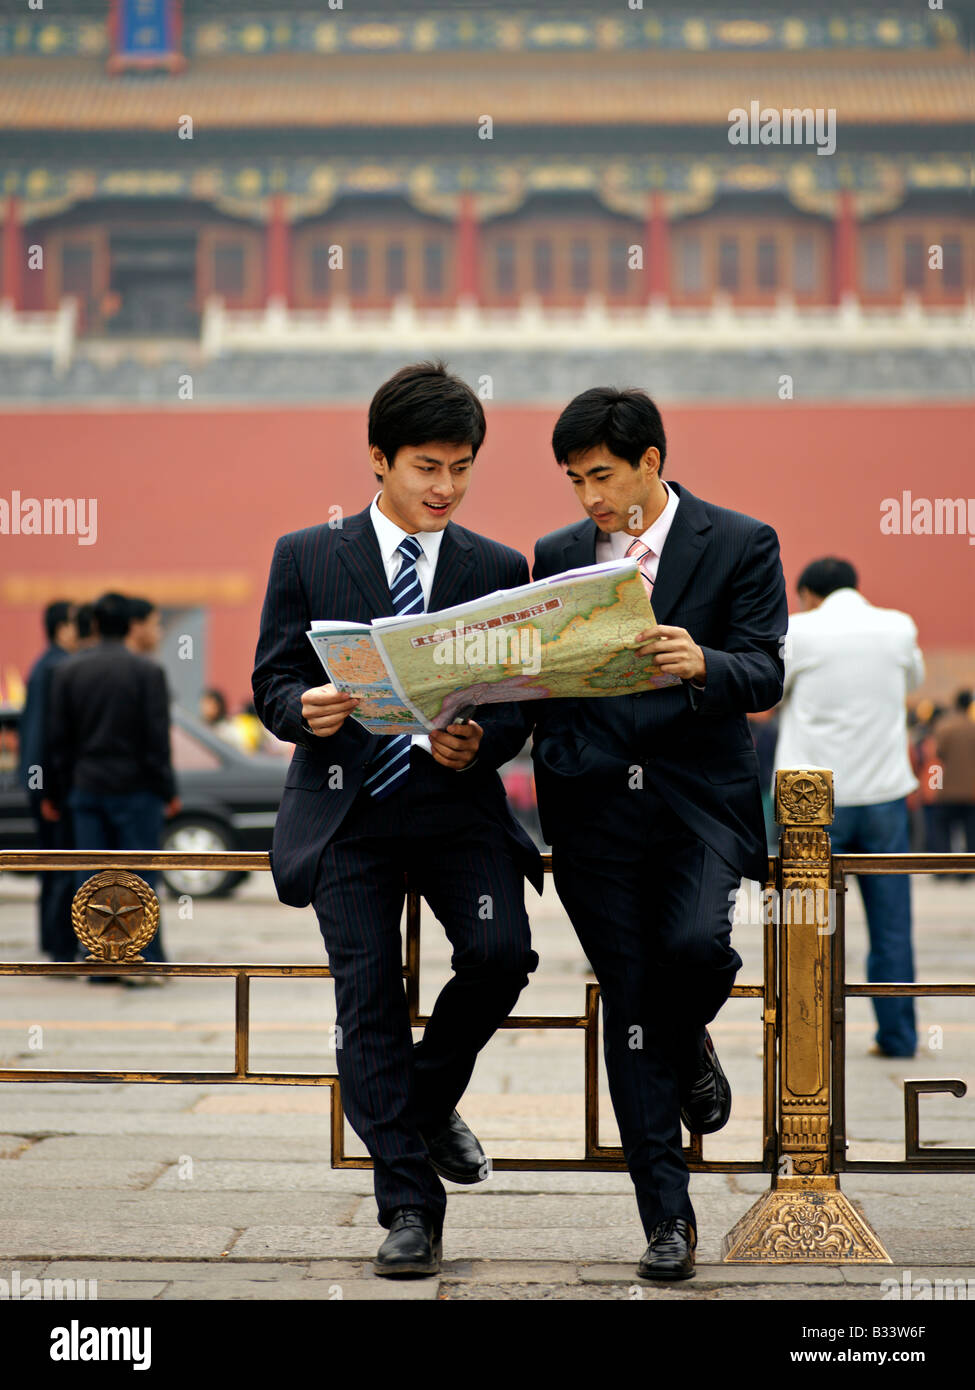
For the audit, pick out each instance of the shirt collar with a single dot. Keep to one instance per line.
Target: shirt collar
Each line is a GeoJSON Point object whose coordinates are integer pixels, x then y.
{"type": "Point", "coordinates": [843, 596]}
{"type": "Point", "coordinates": [655, 534]}
{"type": "Point", "coordinates": [389, 536]}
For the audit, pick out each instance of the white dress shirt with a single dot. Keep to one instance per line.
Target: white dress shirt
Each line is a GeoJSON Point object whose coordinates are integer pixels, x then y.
{"type": "Point", "coordinates": [615, 545]}
{"type": "Point", "coordinates": [848, 668]}
{"type": "Point", "coordinates": [389, 536]}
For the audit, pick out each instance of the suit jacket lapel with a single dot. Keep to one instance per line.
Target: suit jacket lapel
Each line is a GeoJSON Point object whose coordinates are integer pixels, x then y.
{"type": "Point", "coordinates": [360, 554]}
{"type": "Point", "coordinates": [580, 549]}
{"type": "Point", "coordinates": [453, 564]}
{"type": "Point", "coordinates": [688, 538]}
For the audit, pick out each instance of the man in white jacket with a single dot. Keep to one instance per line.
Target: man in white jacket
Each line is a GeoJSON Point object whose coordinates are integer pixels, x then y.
{"type": "Point", "coordinates": [848, 668]}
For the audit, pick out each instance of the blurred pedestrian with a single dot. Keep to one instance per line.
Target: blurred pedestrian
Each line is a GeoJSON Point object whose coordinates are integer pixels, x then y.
{"type": "Point", "coordinates": [57, 938]}
{"type": "Point", "coordinates": [953, 809]}
{"type": "Point", "coordinates": [927, 770]}
{"type": "Point", "coordinates": [250, 730]}
{"type": "Point", "coordinates": [145, 627]}
{"type": "Point", "coordinates": [213, 713]}
{"type": "Point", "coordinates": [848, 669]}
{"type": "Point", "coordinates": [108, 731]}
{"type": "Point", "coordinates": [85, 623]}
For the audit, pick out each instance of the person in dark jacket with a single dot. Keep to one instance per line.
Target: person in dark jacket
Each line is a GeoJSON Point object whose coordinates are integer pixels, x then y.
{"type": "Point", "coordinates": [108, 739]}
{"type": "Point", "coordinates": [360, 810]}
{"type": "Point", "coordinates": [651, 802]}
{"type": "Point", "coordinates": [57, 938]}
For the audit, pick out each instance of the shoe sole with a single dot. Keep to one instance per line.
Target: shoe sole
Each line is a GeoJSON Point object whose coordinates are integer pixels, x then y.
{"type": "Point", "coordinates": [704, 1129]}
{"type": "Point", "coordinates": [645, 1274]}
{"type": "Point", "coordinates": [708, 1129]}
{"type": "Point", "coordinates": [465, 1179]}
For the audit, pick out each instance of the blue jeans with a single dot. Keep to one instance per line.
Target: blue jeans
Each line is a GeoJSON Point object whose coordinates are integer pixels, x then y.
{"type": "Point", "coordinates": [117, 820]}
{"type": "Point", "coordinates": [884, 828]}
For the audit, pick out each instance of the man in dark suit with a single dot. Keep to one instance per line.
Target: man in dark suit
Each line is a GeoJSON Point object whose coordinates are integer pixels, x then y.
{"type": "Point", "coordinates": [651, 802]}
{"type": "Point", "coordinates": [56, 935]}
{"type": "Point", "coordinates": [360, 811]}
{"type": "Point", "coordinates": [108, 736]}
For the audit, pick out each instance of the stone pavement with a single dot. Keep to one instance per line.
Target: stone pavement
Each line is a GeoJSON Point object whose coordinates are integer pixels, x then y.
{"type": "Point", "coordinates": [212, 1192]}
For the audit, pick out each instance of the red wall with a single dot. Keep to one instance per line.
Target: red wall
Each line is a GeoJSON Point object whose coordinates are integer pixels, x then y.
{"type": "Point", "coordinates": [207, 491]}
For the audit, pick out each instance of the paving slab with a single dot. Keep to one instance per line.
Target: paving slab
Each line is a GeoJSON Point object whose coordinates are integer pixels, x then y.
{"type": "Point", "coordinates": [33, 1239]}
{"type": "Point", "coordinates": [16, 1175]}
{"type": "Point", "coordinates": [141, 1291]}
{"type": "Point", "coordinates": [290, 1289]}
{"type": "Point", "coordinates": [181, 1210]}
{"type": "Point", "coordinates": [721, 1274]}
{"type": "Point", "coordinates": [171, 1148]}
{"type": "Point", "coordinates": [135, 1271]}
{"type": "Point", "coordinates": [475, 1212]}
{"type": "Point", "coordinates": [875, 1274]}
{"type": "Point", "coordinates": [548, 1272]}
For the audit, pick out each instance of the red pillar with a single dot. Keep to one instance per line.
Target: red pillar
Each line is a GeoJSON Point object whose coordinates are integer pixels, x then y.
{"type": "Point", "coordinates": [11, 262]}
{"type": "Point", "coordinates": [278, 251]}
{"type": "Point", "coordinates": [467, 277]}
{"type": "Point", "coordinates": [657, 264]}
{"type": "Point", "coordinates": [845, 250]}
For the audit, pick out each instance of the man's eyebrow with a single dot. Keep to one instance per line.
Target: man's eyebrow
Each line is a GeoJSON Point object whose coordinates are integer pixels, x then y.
{"type": "Point", "coordinates": [593, 468]}
{"type": "Point", "coordinates": [428, 458]}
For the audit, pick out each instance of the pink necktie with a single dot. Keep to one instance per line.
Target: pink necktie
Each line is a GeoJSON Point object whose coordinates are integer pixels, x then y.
{"type": "Point", "coordinates": [636, 550]}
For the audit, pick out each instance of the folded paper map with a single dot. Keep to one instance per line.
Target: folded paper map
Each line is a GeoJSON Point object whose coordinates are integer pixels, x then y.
{"type": "Point", "coordinates": [567, 637]}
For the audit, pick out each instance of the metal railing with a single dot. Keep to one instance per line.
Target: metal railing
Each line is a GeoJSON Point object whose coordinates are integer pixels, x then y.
{"type": "Point", "coordinates": [803, 1217]}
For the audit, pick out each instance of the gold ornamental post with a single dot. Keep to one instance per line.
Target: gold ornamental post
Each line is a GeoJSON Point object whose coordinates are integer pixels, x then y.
{"type": "Point", "coordinates": [804, 1218]}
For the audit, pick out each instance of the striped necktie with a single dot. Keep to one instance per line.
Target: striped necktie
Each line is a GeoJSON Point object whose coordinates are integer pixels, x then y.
{"type": "Point", "coordinates": [389, 768]}
{"type": "Point", "coordinates": [636, 550]}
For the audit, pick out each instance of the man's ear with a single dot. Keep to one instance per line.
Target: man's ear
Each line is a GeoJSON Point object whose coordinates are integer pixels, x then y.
{"type": "Point", "coordinates": [652, 458]}
{"type": "Point", "coordinates": [378, 459]}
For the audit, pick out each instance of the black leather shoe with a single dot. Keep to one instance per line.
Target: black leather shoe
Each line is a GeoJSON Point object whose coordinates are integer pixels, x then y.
{"type": "Point", "coordinates": [670, 1254]}
{"type": "Point", "coordinates": [706, 1102]}
{"type": "Point", "coordinates": [455, 1152]}
{"type": "Point", "coordinates": [411, 1246]}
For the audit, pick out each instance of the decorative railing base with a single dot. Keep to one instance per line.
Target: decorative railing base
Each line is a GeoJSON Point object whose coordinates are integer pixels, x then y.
{"type": "Point", "coordinates": [803, 1221]}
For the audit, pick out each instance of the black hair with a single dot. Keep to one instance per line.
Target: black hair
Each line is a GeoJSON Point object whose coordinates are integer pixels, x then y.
{"type": "Point", "coordinates": [111, 615]}
{"type": "Point", "coordinates": [963, 701]}
{"type": "Point", "coordinates": [55, 614]}
{"type": "Point", "coordinates": [83, 617]}
{"type": "Point", "coordinates": [423, 403]}
{"type": "Point", "coordinates": [139, 609]}
{"type": "Point", "coordinates": [627, 422]}
{"type": "Point", "coordinates": [218, 696]}
{"type": "Point", "coordinates": [824, 577]}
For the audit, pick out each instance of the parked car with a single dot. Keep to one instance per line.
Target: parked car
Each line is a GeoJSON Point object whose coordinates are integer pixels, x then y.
{"type": "Point", "coordinates": [229, 800]}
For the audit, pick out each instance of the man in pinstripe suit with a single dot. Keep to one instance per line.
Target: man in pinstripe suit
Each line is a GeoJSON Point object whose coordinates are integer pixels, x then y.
{"type": "Point", "coordinates": [651, 802]}
{"type": "Point", "coordinates": [360, 811]}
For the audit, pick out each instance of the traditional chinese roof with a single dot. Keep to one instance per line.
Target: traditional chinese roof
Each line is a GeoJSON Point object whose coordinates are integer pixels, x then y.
{"type": "Point", "coordinates": [235, 26]}
{"type": "Point", "coordinates": [516, 89]}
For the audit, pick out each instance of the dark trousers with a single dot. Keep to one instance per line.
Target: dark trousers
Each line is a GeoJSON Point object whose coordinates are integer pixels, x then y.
{"type": "Point", "coordinates": [943, 818]}
{"type": "Point", "coordinates": [132, 820]}
{"type": "Point", "coordinates": [57, 938]}
{"type": "Point", "coordinates": [652, 906]}
{"type": "Point", "coordinates": [459, 858]}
